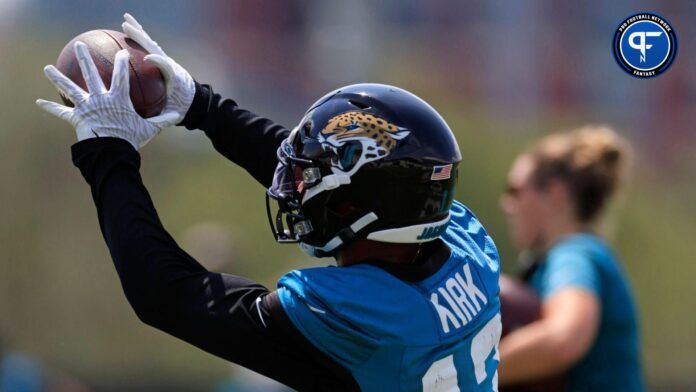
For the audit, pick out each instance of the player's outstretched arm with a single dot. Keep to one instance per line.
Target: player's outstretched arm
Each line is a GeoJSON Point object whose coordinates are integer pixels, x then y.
{"type": "Point", "coordinates": [226, 315]}
{"type": "Point", "coordinates": [241, 136]}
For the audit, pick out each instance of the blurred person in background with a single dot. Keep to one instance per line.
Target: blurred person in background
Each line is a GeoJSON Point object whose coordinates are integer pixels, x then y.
{"type": "Point", "coordinates": [557, 192]}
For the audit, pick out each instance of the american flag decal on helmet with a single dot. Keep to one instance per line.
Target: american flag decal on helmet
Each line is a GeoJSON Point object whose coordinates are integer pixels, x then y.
{"type": "Point", "coordinates": [441, 172]}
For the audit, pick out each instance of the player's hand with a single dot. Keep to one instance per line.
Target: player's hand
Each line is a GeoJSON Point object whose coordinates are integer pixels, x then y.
{"type": "Point", "coordinates": [100, 112]}
{"type": "Point", "coordinates": [180, 85]}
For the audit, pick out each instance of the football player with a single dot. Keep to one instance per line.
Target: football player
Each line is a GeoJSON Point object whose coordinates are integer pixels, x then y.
{"type": "Point", "coordinates": [366, 177]}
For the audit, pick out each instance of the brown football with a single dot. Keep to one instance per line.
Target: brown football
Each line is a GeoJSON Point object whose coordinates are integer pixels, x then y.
{"type": "Point", "coordinates": [519, 306]}
{"type": "Point", "coordinates": [147, 88]}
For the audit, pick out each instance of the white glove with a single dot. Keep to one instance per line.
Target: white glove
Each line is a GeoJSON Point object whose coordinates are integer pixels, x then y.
{"type": "Point", "coordinates": [99, 112]}
{"type": "Point", "coordinates": [180, 85]}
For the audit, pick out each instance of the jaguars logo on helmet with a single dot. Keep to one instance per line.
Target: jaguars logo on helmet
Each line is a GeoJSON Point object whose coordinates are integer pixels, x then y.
{"type": "Point", "coordinates": [359, 165]}
{"type": "Point", "coordinates": [376, 136]}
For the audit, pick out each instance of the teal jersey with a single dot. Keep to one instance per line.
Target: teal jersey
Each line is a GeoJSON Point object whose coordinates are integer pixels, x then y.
{"type": "Point", "coordinates": [438, 334]}
{"type": "Point", "coordinates": [585, 261]}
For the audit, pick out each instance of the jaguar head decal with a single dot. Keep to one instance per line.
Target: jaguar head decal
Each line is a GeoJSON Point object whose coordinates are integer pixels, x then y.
{"type": "Point", "coordinates": [357, 138]}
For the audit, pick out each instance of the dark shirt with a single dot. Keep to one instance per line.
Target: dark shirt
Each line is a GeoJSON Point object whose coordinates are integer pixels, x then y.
{"type": "Point", "coordinates": [226, 315]}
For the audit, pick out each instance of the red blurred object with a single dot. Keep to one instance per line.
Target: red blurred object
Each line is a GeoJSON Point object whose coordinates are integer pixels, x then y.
{"type": "Point", "coordinates": [519, 306]}
{"type": "Point", "coordinates": [147, 88]}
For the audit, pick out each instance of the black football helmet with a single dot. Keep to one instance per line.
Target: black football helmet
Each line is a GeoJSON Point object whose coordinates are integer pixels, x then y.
{"type": "Point", "coordinates": [366, 161]}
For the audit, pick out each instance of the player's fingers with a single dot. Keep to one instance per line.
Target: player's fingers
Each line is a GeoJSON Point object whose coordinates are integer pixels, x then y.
{"type": "Point", "coordinates": [58, 110]}
{"type": "Point", "coordinates": [130, 19]}
{"type": "Point", "coordinates": [66, 86]}
{"type": "Point", "coordinates": [141, 37]}
{"type": "Point", "coordinates": [120, 79]}
{"type": "Point", "coordinates": [95, 85]}
{"type": "Point", "coordinates": [161, 62]}
{"type": "Point", "coordinates": [136, 34]}
{"type": "Point", "coordinates": [165, 119]}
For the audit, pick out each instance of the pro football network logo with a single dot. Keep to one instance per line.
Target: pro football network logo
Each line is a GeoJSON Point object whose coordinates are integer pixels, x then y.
{"type": "Point", "coordinates": [645, 45]}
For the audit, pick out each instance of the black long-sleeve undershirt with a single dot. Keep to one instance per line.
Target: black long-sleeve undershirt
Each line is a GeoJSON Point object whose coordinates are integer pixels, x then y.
{"type": "Point", "coordinates": [244, 138]}
{"type": "Point", "coordinates": [168, 289]}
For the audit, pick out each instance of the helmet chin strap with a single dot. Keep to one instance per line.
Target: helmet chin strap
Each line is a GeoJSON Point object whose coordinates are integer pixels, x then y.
{"type": "Point", "coordinates": [329, 182]}
{"type": "Point", "coordinates": [403, 235]}
{"type": "Point", "coordinates": [342, 237]}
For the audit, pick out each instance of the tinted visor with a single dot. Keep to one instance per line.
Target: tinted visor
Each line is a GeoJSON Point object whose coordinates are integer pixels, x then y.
{"type": "Point", "coordinates": [292, 176]}
{"type": "Point", "coordinates": [288, 179]}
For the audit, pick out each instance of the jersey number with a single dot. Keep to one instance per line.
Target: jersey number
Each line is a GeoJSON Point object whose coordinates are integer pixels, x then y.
{"type": "Point", "coordinates": [442, 374]}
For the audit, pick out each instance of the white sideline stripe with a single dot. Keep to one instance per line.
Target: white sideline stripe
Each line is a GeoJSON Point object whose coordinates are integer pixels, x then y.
{"type": "Point", "coordinates": [404, 235]}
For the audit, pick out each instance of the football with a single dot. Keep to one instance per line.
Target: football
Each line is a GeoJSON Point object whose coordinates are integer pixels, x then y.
{"type": "Point", "coordinates": [519, 306]}
{"type": "Point", "coordinates": [147, 86]}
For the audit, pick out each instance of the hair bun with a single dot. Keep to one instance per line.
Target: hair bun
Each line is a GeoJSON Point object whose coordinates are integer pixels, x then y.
{"type": "Point", "coordinates": [600, 145]}
{"type": "Point", "coordinates": [590, 160]}
{"type": "Point", "coordinates": [611, 156]}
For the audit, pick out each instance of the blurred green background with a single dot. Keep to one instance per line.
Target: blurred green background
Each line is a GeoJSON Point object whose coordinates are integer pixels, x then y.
{"type": "Point", "coordinates": [502, 73]}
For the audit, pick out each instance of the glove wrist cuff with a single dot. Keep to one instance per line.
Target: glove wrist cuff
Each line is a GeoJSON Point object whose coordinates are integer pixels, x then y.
{"type": "Point", "coordinates": [198, 108]}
